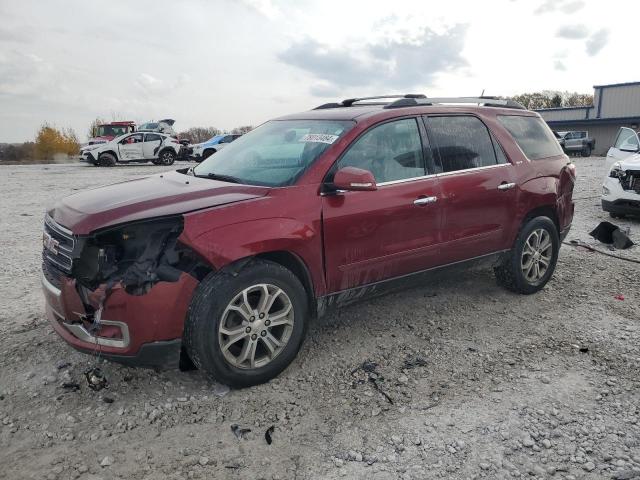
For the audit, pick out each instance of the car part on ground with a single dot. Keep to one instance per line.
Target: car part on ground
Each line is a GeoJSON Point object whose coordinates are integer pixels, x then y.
{"type": "Point", "coordinates": [227, 261]}
{"type": "Point", "coordinates": [611, 234]}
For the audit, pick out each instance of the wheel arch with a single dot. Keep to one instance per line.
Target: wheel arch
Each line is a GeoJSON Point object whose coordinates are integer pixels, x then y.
{"type": "Point", "coordinates": [111, 152]}
{"type": "Point", "coordinates": [288, 260]}
{"type": "Point", "coordinates": [542, 211]}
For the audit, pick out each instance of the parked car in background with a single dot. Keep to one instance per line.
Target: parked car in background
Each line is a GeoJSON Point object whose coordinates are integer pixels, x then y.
{"type": "Point", "coordinates": [202, 151]}
{"type": "Point", "coordinates": [106, 132]}
{"type": "Point", "coordinates": [577, 142]}
{"type": "Point", "coordinates": [627, 143]}
{"type": "Point", "coordinates": [138, 147]}
{"type": "Point", "coordinates": [228, 261]}
{"type": "Point", "coordinates": [621, 188]}
{"type": "Point", "coordinates": [161, 126]}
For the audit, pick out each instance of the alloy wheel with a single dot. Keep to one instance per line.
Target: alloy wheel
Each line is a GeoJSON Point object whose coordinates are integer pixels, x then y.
{"type": "Point", "coordinates": [536, 255]}
{"type": "Point", "coordinates": [256, 326]}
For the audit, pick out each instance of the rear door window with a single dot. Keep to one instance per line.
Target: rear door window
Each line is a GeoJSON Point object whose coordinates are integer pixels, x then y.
{"type": "Point", "coordinates": [532, 135]}
{"type": "Point", "coordinates": [462, 142]}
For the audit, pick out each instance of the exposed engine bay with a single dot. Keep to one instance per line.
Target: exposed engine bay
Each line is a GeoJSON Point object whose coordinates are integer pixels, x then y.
{"type": "Point", "coordinates": [136, 255]}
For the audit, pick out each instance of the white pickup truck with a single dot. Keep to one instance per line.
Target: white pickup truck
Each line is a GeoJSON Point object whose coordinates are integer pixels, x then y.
{"type": "Point", "coordinates": [577, 142]}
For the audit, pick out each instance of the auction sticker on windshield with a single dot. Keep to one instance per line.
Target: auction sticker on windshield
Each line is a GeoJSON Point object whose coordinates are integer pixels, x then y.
{"type": "Point", "coordinates": [319, 138]}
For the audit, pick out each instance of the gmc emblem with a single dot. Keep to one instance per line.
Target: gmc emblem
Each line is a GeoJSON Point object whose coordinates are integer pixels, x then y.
{"type": "Point", "coordinates": [50, 243]}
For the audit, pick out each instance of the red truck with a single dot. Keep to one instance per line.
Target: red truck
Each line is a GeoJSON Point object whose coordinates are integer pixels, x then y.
{"type": "Point", "coordinates": [224, 264]}
{"type": "Point", "coordinates": [106, 132]}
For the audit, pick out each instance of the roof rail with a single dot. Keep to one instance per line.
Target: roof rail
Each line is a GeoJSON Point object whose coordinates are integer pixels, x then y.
{"type": "Point", "coordinates": [485, 101]}
{"type": "Point", "coordinates": [349, 102]}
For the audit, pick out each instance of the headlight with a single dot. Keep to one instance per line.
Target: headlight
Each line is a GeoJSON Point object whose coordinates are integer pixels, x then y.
{"type": "Point", "coordinates": [89, 148]}
{"type": "Point", "coordinates": [616, 171]}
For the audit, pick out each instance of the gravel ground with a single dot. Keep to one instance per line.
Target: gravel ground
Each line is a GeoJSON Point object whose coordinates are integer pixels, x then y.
{"type": "Point", "coordinates": [456, 379]}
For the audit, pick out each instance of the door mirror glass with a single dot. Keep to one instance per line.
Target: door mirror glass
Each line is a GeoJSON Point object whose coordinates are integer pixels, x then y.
{"type": "Point", "coordinates": [356, 179]}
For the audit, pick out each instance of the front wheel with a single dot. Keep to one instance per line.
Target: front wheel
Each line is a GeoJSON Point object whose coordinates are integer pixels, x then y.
{"type": "Point", "coordinates": [245, 329]}
{"type": "Point", "coordinates": [532, 259]}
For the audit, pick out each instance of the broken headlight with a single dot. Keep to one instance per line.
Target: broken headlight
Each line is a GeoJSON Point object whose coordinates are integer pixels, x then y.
{"type": "Point", "coordinates": [616, 171]}
{"type": "Point", "coordinates": [138, 255]}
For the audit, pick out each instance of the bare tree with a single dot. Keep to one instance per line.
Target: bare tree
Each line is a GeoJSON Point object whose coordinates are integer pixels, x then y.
{"type": "Point", "coordinates": [199, 134]}
{"type": "Point", "coordinates": [242, 130]}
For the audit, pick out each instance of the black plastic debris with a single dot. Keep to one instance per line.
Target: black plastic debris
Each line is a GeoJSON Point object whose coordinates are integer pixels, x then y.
{"type": "Point", "coordinates": [268, 434]}
{"type": "Point", "coordinates": [71, 386]}
{"type": "Point", "coordinates": [63, 364]}
{"type": "Point", "coordinates": [418, 361]}
{"type": "Point", "coordinates": [107, 399]}
{"type": "Point", "coordinates": [95, 379]}
{"type": "Point", "coordinates": [239, 432]}
{"type": "Point", "coordinates": [583, 349]}
{"type": "Point", "coordinates": [610, 234]}
{"type": "Point", "coordinates": [374, 377]}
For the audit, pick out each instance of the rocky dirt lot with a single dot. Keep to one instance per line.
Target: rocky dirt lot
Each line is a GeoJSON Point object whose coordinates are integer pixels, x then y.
{"type": "Point", "coordinates": [455, 379]}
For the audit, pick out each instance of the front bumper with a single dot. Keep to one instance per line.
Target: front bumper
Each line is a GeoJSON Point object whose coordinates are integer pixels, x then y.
{"type": "Point", "coordinates": [619, 201]}
{"type": "Point", "coordinates": [143, 330]}
{"type": "Point", "coordinates": [87, 157]}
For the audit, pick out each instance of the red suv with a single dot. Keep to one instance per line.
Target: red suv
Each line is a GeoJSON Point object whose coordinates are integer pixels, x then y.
{"type": "Point", "coordinates": [225, 263]}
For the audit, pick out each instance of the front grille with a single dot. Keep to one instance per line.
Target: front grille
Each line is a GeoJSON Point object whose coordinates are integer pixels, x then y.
{"type": "Point", "coordinates": [631, 180]}
{"type": "Point", "coordinates": [58, 245]}
{"type": "Point", "coordinates": [52, 273]}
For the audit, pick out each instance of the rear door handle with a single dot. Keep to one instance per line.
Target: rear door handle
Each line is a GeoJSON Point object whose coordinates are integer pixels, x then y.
{"type": "Point", "coordinates": [506, 186]}
{"type": "Point", "coordinates": [425, 200]}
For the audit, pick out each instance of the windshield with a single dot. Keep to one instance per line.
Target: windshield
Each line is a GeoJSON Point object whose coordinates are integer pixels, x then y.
{"type": "Point", "coordinates": [276, 153]}
{"type": "Point", "coordinates": [111, 130]}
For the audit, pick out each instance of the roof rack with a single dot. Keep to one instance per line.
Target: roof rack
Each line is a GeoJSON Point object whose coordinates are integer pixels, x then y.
{"type": "Point", "coordinates": [483, 100]}
{"type": "Point", "coordinates": [349, 102]}
{"type": "Point", "coordinates": [417, 99]}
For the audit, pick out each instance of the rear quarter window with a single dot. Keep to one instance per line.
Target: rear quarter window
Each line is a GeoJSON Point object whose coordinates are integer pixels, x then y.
{"type": "Point", "coordinates": [532, 135]}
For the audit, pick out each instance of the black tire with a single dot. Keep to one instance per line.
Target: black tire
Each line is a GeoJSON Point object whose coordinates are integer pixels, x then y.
{"type": "Point", "coordinates": [166, 157]}
{"type": "Point", "coordinates": [205, 313]}
{"type": "Point", "coordinates": [586, 151]}
{"type": "Point", "coordinates": [107, 160]}
{"type": "Point", "coordinates": [510, 274]}
{"type": "Point", "coordinates": [207, 153]}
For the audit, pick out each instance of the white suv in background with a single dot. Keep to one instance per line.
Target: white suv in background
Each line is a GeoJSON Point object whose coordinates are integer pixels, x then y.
{"type": "Point", "coordinates": [138, 147]}
{"type": "Point", "coordinates": [621, 188]}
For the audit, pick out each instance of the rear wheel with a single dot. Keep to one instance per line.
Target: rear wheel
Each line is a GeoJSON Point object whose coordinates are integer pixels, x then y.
{"type": "Point", "coordinates": [586, 151]}
{"type": "Point", "coordinates": [245, 329]}
{"type": "Point", "coordinates": [106, 160]}
{"type": "Point", "coordinates": [167, 157]}
{"type": "Point", "coordinates": [532, 259]}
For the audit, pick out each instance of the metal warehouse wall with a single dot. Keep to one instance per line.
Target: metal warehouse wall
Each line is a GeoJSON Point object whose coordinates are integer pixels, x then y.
{"type": "Point", "coordinates": [620, 101]}
{"type": "Point", "coordinates": [555, 114]}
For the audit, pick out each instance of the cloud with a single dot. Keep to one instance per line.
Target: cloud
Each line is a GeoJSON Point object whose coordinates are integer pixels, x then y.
{"type": "Point", "coordinates": [149, 86]}
{"type": "Point", "coordinates": [393, 63]}
{"type": "Point", "coordinates": [263, 7]}
{"type": "Point", "coordinates": [597, 42]}
{"type": "Point", "coordinates": [565, 6]}
{"type": "Point", "coordinates": [573, 32]}
{"type": "Point", "coordinates": [559, 65]}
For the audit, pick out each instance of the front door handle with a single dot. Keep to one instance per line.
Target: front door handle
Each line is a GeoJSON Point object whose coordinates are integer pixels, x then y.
{"type": "Point", "coordinates": [506, 186]}
{"type": "Point", "coordinates": [425, 200]}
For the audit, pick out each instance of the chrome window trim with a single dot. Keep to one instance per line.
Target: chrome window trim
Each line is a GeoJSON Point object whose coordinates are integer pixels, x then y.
{"type": "Point", "coordinates": [404, 180]}
{"type": "Point", "coordinates": [475, 169]}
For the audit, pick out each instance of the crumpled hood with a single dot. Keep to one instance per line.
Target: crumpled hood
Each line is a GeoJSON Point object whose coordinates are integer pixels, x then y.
{"type": "Point", "coordinates": [169, 193]}
{"type": "Point", "coordinates": [630, 163]}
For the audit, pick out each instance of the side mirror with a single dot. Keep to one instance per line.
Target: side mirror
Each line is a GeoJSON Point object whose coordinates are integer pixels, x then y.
{"type": "Point", "coordinates": [355, 179]}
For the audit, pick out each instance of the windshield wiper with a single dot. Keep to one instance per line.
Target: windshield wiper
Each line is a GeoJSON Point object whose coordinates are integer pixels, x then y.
{"type": "Point", "coordinates": [223, 178]}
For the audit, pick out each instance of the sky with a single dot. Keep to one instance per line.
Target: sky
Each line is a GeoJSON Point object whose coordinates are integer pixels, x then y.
{"type": "Point", "coordinates": [226, 63]}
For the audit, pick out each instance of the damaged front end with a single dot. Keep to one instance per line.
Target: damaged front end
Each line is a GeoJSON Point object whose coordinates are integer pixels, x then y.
{"type": "Point", "coordinates": [123, 291]}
